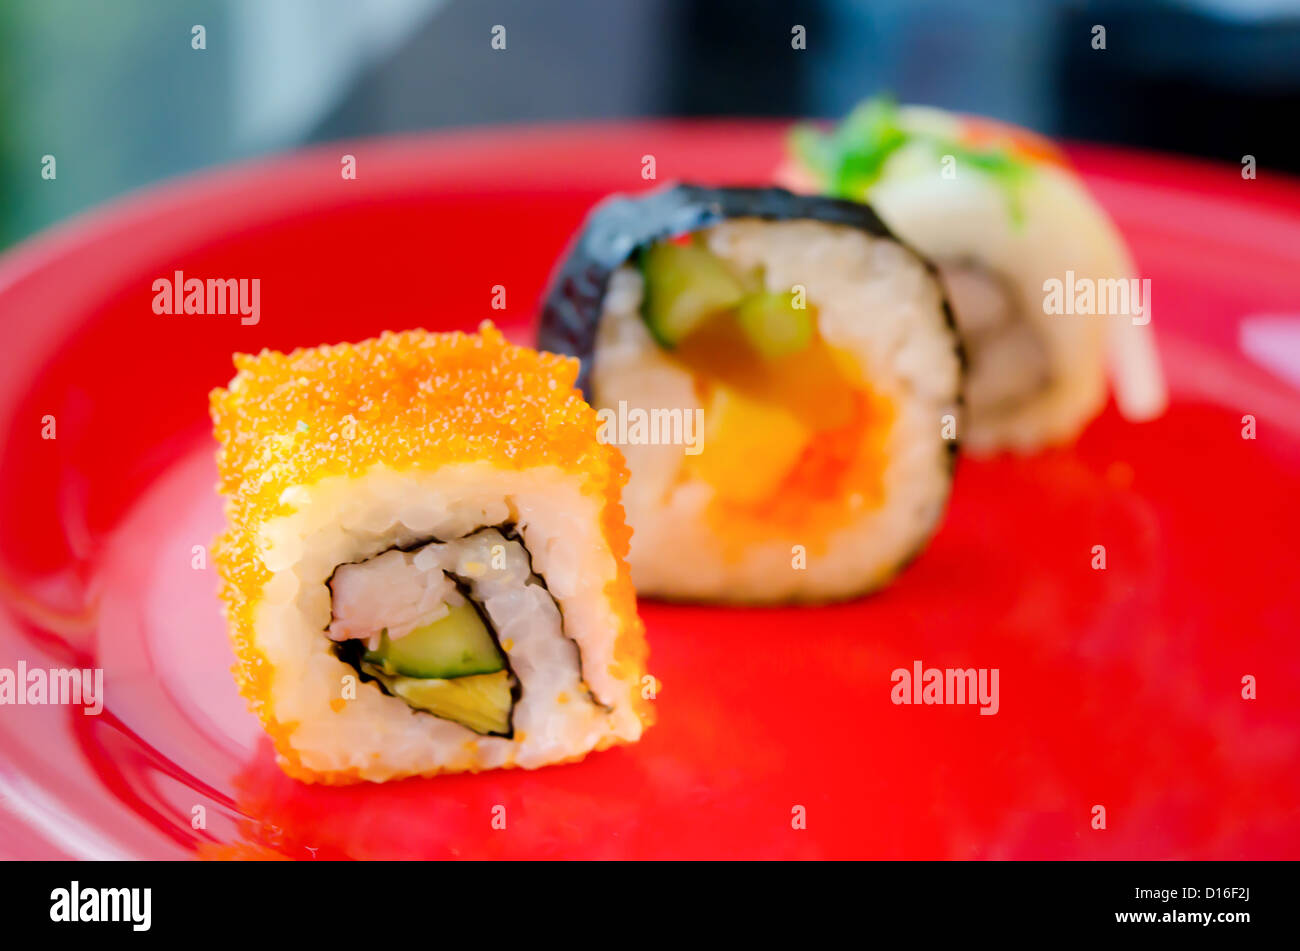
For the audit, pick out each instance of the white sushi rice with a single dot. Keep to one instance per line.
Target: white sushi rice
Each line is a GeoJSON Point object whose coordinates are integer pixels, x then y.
{"type": "Point", "coordinates": [558, 653]}
{"type": "Point", "coordinates": [876, 302]}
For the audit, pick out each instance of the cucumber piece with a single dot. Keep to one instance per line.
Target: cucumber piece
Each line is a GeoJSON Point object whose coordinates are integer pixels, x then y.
{"type": "Point", "coordinates": [481, 703]}
{"type": "Point", "coordinates": [684, 285]}
{"type": "Point", "coordinates": [773, 325]}
{"type": "Point", "coordinates": [458, 645]}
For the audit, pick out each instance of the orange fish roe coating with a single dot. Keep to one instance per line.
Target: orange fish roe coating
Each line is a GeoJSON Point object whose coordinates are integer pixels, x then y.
{"type": "Point", "coordinates": [410, 400]}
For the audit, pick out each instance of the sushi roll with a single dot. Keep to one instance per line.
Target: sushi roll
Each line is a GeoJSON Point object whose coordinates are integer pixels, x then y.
{"type": "Point", "coordinates": [783, 376]}
{"type": "Point", "coordinates": [1000, 212]}
{"type": "Point", "coordinates": [423, 569]}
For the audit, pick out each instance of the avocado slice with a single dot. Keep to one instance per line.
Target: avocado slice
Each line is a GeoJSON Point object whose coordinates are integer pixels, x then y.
{"type": "Point", "coordinates": [772, 323]}
{"type": "Point", "coordinates": [684, 285]}
{"type": "Point", "coordinates": [457, 645]}
{"type": "Point", "coordinates": [480, 703]}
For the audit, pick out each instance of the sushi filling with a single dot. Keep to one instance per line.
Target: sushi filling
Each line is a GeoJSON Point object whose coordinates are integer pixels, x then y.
{"type": "Point", "coordinates": [783, 417]}
{"type": "Point", "coordinates": [419, 621]}
{"type": "Point", "coordinates": [1007, 356]}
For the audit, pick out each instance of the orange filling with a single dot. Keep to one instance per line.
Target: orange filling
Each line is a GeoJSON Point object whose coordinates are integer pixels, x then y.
{"type": "Point", "coordinates": [809, 383]}
{"type": "Point", "coordinates": [793, 446]}
{"type": "Point", "coordinates": [839, 474]}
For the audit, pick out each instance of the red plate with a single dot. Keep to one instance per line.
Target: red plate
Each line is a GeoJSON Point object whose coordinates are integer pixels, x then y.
{"type": "Point", "coordinates": [1120, 688]}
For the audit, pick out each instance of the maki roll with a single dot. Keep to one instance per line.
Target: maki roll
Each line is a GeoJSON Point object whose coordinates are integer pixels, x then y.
{"type": "Point", "coordinates": [783, 377]}
{"type": "Point", "coordinates": [1000, 212]}
{"type": "Point", "coordinates": [424, 566]}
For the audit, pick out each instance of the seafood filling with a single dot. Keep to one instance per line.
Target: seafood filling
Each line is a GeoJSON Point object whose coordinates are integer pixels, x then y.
{"type": "Point", "coordinates": [457, 629]}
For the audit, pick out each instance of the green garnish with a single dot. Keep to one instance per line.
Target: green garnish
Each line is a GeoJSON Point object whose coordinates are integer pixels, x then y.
{"type": "Point", "coordinates": [850, 159]}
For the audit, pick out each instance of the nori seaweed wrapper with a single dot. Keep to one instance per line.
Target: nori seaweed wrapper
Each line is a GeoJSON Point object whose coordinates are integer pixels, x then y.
{"type": "Point", "coordinates": [622, 225]}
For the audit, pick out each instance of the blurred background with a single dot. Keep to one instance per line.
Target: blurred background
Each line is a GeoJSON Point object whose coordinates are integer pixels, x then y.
{"type": "Point", "coordinates": [115, 91]}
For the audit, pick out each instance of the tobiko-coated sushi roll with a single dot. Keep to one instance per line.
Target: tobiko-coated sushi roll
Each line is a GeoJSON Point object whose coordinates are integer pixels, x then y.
{"type": "Point", "coordinates": [818, 360]}
{"type": "Point", "coordinates": [424, 565]}
{"type": "Point", "coordinates": [1000, 212]}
